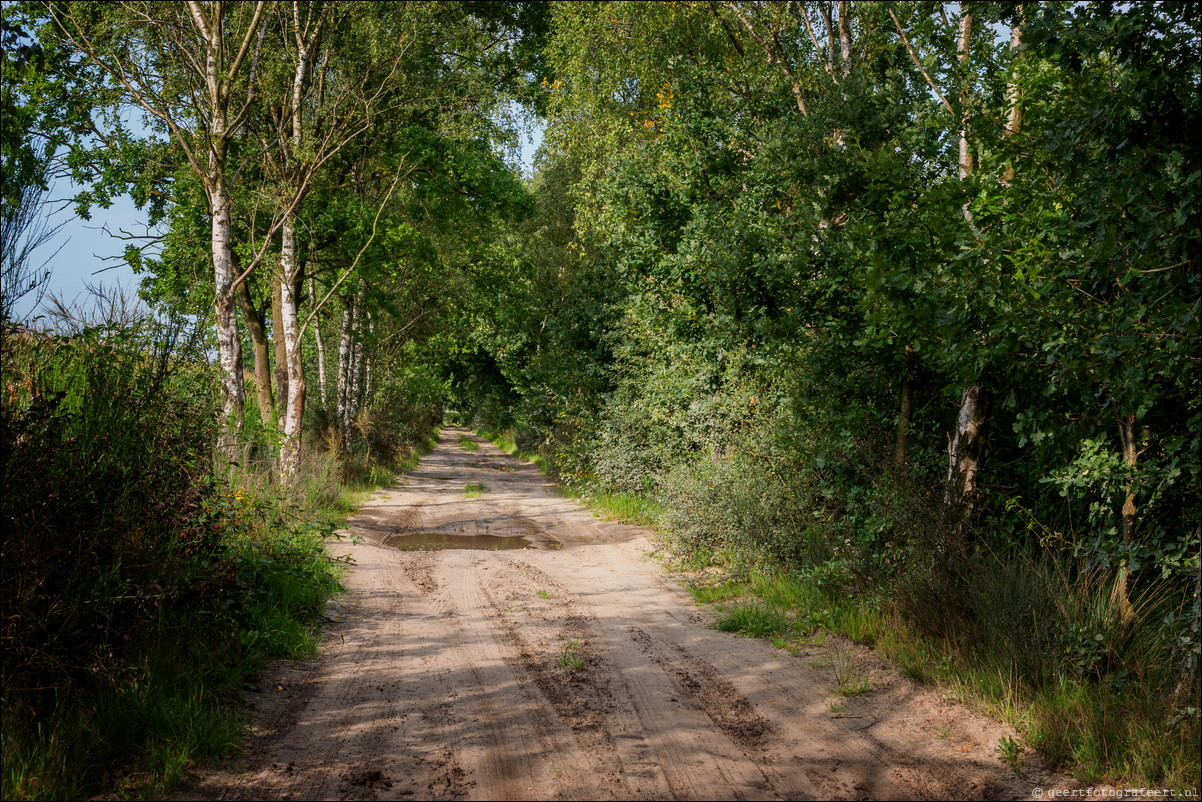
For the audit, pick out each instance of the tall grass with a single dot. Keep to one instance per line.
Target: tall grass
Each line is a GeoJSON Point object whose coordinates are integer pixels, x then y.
{"type": "Point", "coordinates": [140, 593]}
{"type": "Point", "coordinates": [1033, 636]}
{"type": "Point", "coordinates": [1091, 694]}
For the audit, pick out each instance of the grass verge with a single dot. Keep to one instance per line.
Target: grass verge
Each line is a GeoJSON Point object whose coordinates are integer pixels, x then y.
{"type": "Point", "coordinates": [1101, 731]}
{"type": "Point", "coordinates": [169, 699]}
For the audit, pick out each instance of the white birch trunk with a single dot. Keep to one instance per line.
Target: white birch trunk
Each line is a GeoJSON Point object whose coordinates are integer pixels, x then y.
{"type": "Point", "coordinates": [1014, 115]}
{"type": "Point", "coordinates": [355, 395]}
{"type": "Point", "coordinates": [290, 278]}
{"type": "Point", "coordinates": [1120, 596]}
{"type": "Point", "coordinates": [964, 454]}
{"type": "Point", "coordinates": [344, 369]}
{"type": "Point", "coordinates": [229, 345]}
{"type": "Point", "coordinates": [369, 386]}
{"type": "Point", "coordinates": [294, 412]}
{"type": "Point", "coordinates": [962, 52]}
{"type": "Point", "coordinates": [321, 351]}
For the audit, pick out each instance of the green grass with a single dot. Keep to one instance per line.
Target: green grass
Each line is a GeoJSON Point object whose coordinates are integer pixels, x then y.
{"type": "Point", "coordinates": [504, 441]}
{"type": "Point", "coordinates": [716, 592]}
{"type": "Point", "coordinates": [1097, 731]}
{"type": "Point", "coordinates": [849, 680]}
{"type": "Point", "coordinates": [756, 619]}
{"type": "Point", "coordinates": [468, 444]}
{"type": "Point", "coordinates": [625, 507]}
{"type": "Point", "coordinates": [171, 700]}
{"type": "Point", "coordinates": [474, 490]}
{"type": "Point", "coordinates": [570, 657]}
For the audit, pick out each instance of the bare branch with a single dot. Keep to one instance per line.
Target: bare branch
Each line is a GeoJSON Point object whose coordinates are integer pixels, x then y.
{"type": "Point", "coordinates": [773, 57]}
{"type": "Point", "coordinates": [918, 63]}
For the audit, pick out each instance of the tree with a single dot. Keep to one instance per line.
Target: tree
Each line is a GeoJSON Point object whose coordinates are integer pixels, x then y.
{"type": "Point", "coordinates": [192, 68]}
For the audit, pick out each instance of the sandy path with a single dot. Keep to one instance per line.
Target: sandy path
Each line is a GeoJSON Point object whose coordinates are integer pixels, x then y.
{"type": "Point", "coordinates": [442, 677]}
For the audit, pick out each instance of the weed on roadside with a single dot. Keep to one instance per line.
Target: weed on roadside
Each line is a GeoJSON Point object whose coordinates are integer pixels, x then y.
{"type": "Point", "coordinates": [474, 490]}
{"type": "Point", "coordinates": [756, 619]}
{"type": "Point", "coordinates": [1010, 751]}
{"type": "Point", "coordinates": [849, 678]}
{"type": "Point", "coordinates": [570, 657]}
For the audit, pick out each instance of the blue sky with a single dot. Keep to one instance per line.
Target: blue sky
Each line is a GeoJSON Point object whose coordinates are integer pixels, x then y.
{"type": "Point", "coordinates": [91, 255]}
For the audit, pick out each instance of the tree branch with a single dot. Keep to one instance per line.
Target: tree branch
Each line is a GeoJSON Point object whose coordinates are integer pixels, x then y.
{"type": "Point", "coordinates": [917, 63]}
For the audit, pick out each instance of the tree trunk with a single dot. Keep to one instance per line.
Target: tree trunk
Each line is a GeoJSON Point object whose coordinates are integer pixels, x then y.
{"type": "Point", "coordinates": [962, 52]}
{"type": "Point", "coordinates": [281, 352]}
{"type": "Point", "coordinates": [294, 411]}
{"type": "Point", "coordinates": [229, 346]}
{"type": "Point", "coordinates": [1121, 595]}
{"type": "Point", "coordinates": [964, 456]}
{"type": "Point", "coordinates": [358, 340]}
{"type": "Point", "coordinates": [344, 371]}
{"type": "Point", "coordinates": [904, 413]}
{"type": "Point", "coordinates": [258, 340]}
{"type": "Point", "coordinates": [321, 349]}
{"type": "Point", "coordinates": [1014, 112]}
{"type": "Point", "coordinates": [368, 373]}
{"type": "Point", "coordinates": [845, 37]}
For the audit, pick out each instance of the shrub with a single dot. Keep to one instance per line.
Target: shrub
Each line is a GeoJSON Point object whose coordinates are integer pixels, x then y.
{"type": "Point", "coordinates": [104, 496]}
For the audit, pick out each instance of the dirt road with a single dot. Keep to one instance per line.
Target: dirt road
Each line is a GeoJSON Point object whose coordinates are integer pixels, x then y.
{"type": "Point", "coordinates": [574, 668]}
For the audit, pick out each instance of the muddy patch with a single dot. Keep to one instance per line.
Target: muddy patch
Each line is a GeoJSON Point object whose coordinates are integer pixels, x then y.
{"type": "Point", "coordinates": [708, 691]}
{"type": "Point", "coordinates": [372, 778]}
{"type": "Point", "coordinates": [438, 541]}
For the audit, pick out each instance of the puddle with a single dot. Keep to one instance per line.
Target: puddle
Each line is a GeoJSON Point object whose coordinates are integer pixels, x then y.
{"type": "Point", "coordinates": [438, 541]}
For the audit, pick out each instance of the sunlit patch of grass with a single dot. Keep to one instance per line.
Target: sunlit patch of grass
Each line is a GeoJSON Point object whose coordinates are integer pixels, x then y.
{"type": "Point", "coordinates": [625, 507]}
{"type": "Point", "coordinates": [474, 490]}
{"type": "Point", "coordinates": [721, 591]}
{"type": "Point", "coordinates": [848, 677]}
{"type": "Point", "coordinates": [756, 619]}
{"type": "Point", "coordinates": [467, 444]}
{"type": "Point", "coordinates": [504, 441]}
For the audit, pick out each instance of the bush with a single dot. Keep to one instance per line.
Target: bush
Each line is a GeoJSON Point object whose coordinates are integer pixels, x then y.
{"type": "Point", "coordinates": [105, 497]}
{"type": "Point", "coordinates": [750, 512]}
{"type": "Point", "coordinates": [139, 592]}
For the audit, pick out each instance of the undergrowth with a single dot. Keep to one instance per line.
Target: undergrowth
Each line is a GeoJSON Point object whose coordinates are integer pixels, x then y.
{"type": "Point", "coordinates": [1111, 727]}
{"type": "Point", "coordinates": [141, 592]}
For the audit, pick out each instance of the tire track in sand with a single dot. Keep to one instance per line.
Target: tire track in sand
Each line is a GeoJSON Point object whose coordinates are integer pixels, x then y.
{"type": "Point", "coordinates": [441, 678]}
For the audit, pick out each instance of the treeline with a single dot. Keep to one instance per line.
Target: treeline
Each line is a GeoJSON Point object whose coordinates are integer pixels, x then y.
{"type": "Point", "coordinates": [322, 184]}
{"type": "Point", "coordinates": [898, 297]}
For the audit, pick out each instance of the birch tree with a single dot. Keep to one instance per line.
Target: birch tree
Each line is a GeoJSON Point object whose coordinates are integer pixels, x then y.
{"type": "Point", "coordinates": [191, 67]}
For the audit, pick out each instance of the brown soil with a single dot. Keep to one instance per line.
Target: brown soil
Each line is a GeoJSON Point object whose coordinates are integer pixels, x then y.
{"type": "Point", "coordinates": [576, 668]}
